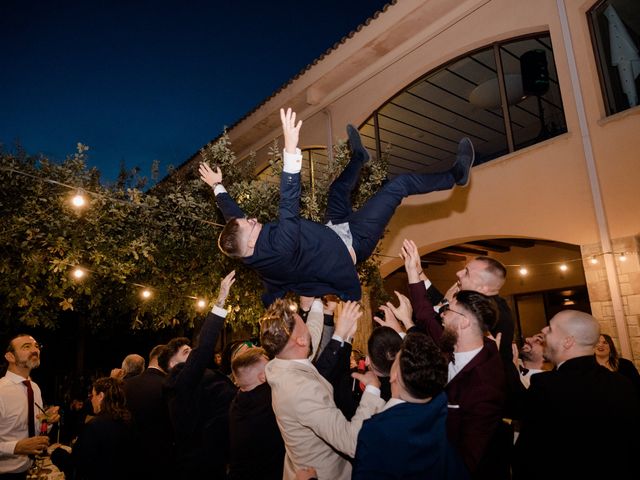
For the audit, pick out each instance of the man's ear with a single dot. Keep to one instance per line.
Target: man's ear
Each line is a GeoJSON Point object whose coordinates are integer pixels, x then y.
{"type": "Point", "coordinates": [8, 358]}
{"type": "Point", "coordinates": [301, 340]}
{"type": "Point", "coordinates": [262, 377]}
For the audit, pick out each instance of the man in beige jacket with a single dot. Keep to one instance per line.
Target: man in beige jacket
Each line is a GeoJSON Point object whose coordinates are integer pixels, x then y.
{"type": "Point", "coordinates": [313, 428]}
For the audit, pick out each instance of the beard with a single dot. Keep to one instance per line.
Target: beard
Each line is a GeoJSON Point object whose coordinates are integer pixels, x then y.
{"type": "Point", "coordinates": [448, 340]}
{"type": "Point", "coordinates": [33, 361]}
{"type": "Point", "coordinates": [525, 355]}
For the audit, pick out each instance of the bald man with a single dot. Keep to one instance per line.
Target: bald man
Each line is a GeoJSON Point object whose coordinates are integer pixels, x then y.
{"type": "Point", "coordinates": [584, 417]}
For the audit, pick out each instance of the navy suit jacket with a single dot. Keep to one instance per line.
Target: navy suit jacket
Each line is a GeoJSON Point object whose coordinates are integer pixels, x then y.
{"type": "Point", "coordinates": [298, 255]}
{"type": "Point", "coordinates": [408, 441]}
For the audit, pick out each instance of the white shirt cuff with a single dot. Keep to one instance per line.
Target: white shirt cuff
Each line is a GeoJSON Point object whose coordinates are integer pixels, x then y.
{"type": "Point", "coordinates": [221, 312]}
{"type": "Point", "coordinates": [219, 188]}
{"type": "Point", "coordinates": [338, 338]}
{"type": "Point", "coordinates": [292, 161]}
{"type": "Point", "coordinates": [374, 390]}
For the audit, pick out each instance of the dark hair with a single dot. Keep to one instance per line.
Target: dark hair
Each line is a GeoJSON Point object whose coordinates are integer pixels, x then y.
{"type": "Point", "coordinates": [481, 306]}
{"type": "Point", "coordinates": [613, 359]}
{"type": "Point", "coordinates": [113, 403]}
{"type": "Point", "coordinates": [494, 266]}
{"type": "Point", "coordinates": [228, 241]}
{"type": "Point", "coordinates": [384, 343]}
{"type": "Point", "coordinates": [155, 351]}
{"type": "Point", "coordinates": [276, 326]}
{"type": "Point", "coordinates": [169, 350]}
{"type": "Point", "coordinates": [422, 366]}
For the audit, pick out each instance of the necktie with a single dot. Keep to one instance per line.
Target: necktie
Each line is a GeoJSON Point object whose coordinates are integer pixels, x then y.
{"type": "Point", "coordinates": [523, 370]}
{"type": "Point", "coordinates": [31, 422]}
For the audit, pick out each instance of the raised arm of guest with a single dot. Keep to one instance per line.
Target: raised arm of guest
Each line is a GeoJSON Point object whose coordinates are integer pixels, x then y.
{"type": "Point", "coordinates": [200, 357]}
{"type": "Point", "coordinates": [424, 314]}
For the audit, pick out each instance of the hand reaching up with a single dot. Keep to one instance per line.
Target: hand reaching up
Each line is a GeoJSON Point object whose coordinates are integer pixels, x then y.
{"type": "Point", "coordinates": [290, 129]}
{"type": "Point", "coordinates": [404, 310]}
{"type": "Point", "coordinates": [389, 319]}
{"type": "Point", "coordinates": [225, 286]}
{"type": "Point", "coordinates": [412, 263]}
{"type": "Point", "coordinates": [209, 176]}
{"type": "Point", "coordinates": [347, 321]}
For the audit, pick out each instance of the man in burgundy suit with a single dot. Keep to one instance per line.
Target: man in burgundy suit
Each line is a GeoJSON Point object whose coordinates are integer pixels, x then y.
{"type": "Point", "coordinates": [476, 387]}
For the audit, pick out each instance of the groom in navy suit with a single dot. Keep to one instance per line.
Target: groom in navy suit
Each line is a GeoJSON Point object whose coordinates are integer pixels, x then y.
{"type": "Point", "coordinates": [309, 258]}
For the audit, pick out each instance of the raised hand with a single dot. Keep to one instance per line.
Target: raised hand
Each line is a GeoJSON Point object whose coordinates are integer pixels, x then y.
{"type": "Point", "coordinates": [347, 319]}
{"type": "Point", "coordinates": [290, 129]}
{"type": "Point", "coordinates": [412, 263]}
{"type": "Point", "coordinates": [209, 176]}
{"type": "Point", "coordinates": [225, 286]}
{"type": "Point", "coordinates": [455, 288]}
{"type": "Point", "coordinates": [404, 310]}
{"type": "Point", "coordinates": [389, 319]}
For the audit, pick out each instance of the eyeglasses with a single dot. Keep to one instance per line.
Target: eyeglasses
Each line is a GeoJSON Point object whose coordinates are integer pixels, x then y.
{"type": "Point", "coordinates": [447, 308]}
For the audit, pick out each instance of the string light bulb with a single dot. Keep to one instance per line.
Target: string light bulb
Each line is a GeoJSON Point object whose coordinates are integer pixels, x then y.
{"type": "Point", "coordinates": [623, 257]}
{"type": "Point", "coordinates": [594, 260]}
{"type": "Point", "coordinates": [201, 303]}
{"type": "Point", "coordinates": [78, 273]}
{"type": "Point", "coordinates": [79, 200]}
{"type": "Point", "coordinates": [146, 294]}
{"type": "Point", "coordinates": [523, 271]}
{"type": "Point", "coordinates": [564, 267]}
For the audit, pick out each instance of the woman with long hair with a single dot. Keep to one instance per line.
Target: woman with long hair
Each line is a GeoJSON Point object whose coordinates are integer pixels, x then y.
{"type": "Point", "coordinates": [607, 356]}
{"type": "Point", "coordinates": [104, 446]}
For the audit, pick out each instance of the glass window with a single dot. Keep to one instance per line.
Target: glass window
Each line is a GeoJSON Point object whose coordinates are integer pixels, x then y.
{"type": "Point", "coordinates": [504, 97]}
{"type": "Point", "coordinates": [615, 29]}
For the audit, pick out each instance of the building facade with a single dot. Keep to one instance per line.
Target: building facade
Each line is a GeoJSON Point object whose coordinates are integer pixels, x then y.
{"type": "Point", "coordinates": [548, 93]}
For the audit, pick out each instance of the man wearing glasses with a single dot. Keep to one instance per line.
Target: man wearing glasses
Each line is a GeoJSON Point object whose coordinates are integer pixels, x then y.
{"type": "Point", "coordinates": [21, 409]}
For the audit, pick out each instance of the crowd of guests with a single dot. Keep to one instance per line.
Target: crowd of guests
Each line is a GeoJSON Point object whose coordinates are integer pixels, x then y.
{"type": "Point", "coordinates": [435, 396]}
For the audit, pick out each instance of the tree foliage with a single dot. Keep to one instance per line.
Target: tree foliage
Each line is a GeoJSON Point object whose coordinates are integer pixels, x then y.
{"type": "Point", "coordinates": [126, 239]}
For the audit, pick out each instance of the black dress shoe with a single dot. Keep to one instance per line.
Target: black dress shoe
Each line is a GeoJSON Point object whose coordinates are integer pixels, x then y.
{"type": "Point", "coordinates": [461, 169]}
{"type": "Point", "coordinates": [358, 152]}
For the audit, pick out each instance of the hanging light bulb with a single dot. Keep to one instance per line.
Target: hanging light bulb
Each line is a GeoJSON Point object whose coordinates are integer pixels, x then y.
{"type": "Point", "coordinates": [146, 293]}
{"type": "Point", "coordinates": [523, 271]}
{"type": "Point", "coordinates": [594, 260]}
{"type": "Point", "coordinates": [201, 303]}
{"type": "Point", "coordinates": [623, 257]}
{"type": "Point", "coordinates": [564, 267]}
{"type": "Point", "coordinates": [79, 200]}
{"type": "Point", "coordinates": [78, 273]}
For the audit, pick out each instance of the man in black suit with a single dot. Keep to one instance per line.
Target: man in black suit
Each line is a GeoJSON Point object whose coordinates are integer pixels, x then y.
{"type": "Point", "coordinates": [309, 258]}
{"type": "Point", "coordinates": [151, 416]}
{"type": "Point", "coordinates": [584, 417]}
{"type": "Point", "coordinates": [199, 398]}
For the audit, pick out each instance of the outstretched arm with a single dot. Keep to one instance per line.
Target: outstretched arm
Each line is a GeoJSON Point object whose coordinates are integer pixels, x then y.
{"type": "Point", "coordinates": [227, 205]}
{"type": "Point", "coordinates": [288, 235]}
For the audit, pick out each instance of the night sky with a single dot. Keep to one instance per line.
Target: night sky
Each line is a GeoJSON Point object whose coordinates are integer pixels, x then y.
{"type": "Point", "coordinates": [144, 80]}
